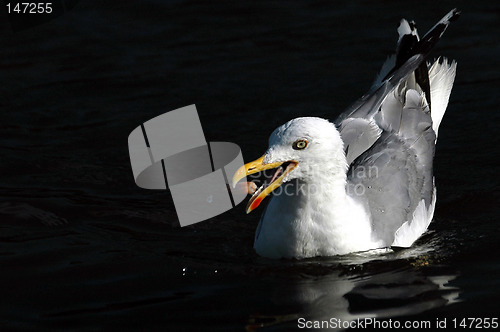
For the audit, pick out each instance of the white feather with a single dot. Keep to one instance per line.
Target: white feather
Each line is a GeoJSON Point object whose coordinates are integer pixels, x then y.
{"type": "Point", "coordinates": [441, 76]}
{"type": "Point", "coordinates": [411, 230]}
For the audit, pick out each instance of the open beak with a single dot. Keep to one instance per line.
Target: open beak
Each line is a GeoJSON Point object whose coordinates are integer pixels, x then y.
{"type": "Point", "coordinates": [258, 166]}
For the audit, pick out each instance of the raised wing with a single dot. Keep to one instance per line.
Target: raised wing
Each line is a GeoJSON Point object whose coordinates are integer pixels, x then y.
{"type": "Point", "coordinates": [411, 53]}
{"type": "Point", "coordinates": [389, 137]}
{"type": "Point", "coordinates": [395, 175]}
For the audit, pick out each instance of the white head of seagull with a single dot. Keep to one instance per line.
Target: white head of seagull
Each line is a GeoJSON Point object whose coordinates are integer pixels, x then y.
{"type": "Point", "coordinates": [308, 149]}
{"type": "Point", "coordinates": [314, 143]}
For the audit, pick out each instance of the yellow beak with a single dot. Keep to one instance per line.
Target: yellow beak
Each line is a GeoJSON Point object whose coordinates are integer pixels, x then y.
{"type": "Point", "coordinates": [259, 166]}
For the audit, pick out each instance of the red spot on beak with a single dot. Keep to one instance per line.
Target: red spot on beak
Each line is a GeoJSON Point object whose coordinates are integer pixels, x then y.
{"type": "Point", "coordinates": [255, 203]}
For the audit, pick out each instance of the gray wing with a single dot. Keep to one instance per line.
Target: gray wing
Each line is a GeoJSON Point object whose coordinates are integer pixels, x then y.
{"type": "Point", "coordinates": [358, 135]}
{"type": "Point", "coordinates": [395, 174]}
{"type": "Point", "coordinates": [389, 139]}
{"type": "Point", "coordinates": [356, 125]}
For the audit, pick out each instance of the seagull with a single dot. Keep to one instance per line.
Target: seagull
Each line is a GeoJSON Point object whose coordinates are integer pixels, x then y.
{"type": "Point", "coordinates": [366, 180]}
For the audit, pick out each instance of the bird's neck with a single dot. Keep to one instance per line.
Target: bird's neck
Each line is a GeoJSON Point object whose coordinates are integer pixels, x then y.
{"type": "Point", "coordinates": [313, 216]}
{"type": "Point", "coordinates": [324, 195]}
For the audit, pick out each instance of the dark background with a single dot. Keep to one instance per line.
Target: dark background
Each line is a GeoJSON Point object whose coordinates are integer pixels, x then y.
{"type": "Point", "coordinates": [82, 246]}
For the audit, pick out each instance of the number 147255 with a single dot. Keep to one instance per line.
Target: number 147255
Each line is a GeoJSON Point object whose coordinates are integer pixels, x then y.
{"type": "Point", "coordinates": [29, 8]}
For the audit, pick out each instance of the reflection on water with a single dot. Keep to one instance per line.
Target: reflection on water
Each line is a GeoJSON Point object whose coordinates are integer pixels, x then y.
{"type": "Point", "coordinates": [380, 288]}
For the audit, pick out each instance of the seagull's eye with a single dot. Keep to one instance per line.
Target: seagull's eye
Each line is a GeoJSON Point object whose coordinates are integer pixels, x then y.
{"type": "Point", "coordinates": [300, 144]}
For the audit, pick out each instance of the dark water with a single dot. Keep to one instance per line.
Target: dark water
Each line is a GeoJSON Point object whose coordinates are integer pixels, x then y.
{"type": "Point", "coordinates": [82, 247]}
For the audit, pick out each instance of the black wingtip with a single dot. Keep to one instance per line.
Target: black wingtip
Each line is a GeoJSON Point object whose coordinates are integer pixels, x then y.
{"type": "Point", "coordinates": [434, 34]}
